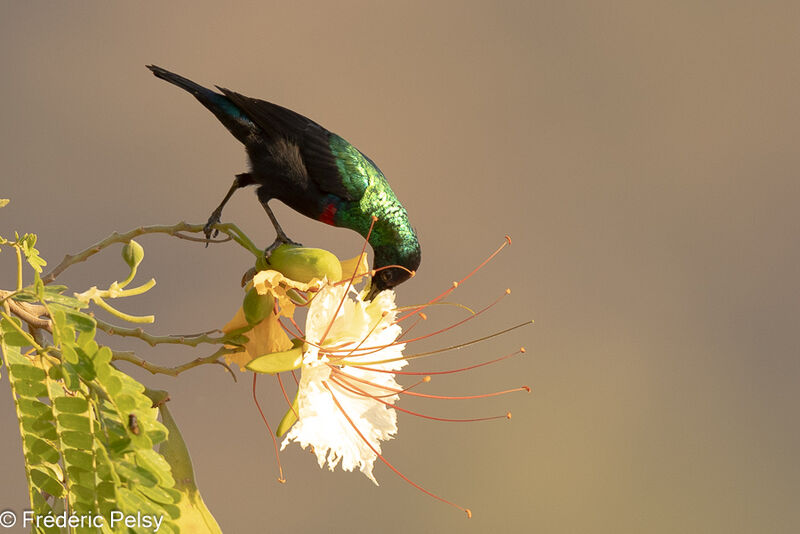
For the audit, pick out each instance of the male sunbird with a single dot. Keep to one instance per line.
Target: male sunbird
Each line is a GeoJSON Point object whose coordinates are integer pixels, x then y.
{"type": "Point", "coordinates": [315, 172]}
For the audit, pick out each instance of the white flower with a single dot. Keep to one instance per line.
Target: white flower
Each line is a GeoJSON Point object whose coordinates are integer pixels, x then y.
{"type": "Point", "coordinates": [343, 410]}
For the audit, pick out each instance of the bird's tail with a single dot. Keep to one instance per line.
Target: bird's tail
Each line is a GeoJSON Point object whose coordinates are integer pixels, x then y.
{"type": "Point", "coordinates": [226, 111]}
{"type": "Point", "coordinates": [184, 83]}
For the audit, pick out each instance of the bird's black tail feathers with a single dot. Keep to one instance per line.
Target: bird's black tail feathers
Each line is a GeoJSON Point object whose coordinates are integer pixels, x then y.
{"type": "Point", "coordinates": [227, 112]}
{"type": "Point", "coordinates": [184, 83]}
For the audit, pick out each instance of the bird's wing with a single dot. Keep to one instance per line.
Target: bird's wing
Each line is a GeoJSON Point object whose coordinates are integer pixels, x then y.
{"type": "Point", "coordinates": [313, 140]}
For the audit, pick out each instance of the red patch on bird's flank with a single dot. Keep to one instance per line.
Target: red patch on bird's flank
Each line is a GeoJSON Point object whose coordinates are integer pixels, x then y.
{"type": "Point", "coordinates": [327, 214]}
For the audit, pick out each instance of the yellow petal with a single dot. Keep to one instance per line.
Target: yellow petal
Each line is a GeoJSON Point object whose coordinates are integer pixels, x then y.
{"type": "Point", "coordinates": [274, 283]}
{"type": "Point", "coordinates": [236, 323]}
{"type": "Point", "coordinates": [358, 265]}
{"type": "Point", "coordinates": [265, 337]}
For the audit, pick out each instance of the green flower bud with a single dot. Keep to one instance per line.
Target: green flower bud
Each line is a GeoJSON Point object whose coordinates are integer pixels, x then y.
{"type": "Point", "coordinates": [278, 362]}
{"type": "Point", "coordinates": [304, 264]}
{"type": "Point", "coordinates": [256, 307]}
{"type": "Point", "coordinates": [133, 254]}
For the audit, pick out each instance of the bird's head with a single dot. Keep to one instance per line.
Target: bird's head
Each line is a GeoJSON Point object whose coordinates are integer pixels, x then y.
{"type": "Point", "coordinates": [388, 277]}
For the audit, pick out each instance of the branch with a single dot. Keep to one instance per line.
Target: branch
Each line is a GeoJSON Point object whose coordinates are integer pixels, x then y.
{"type": "Point", "coordinates": [191, 340]}
{"type": "Point", "coordinates": [30, 313]}
{"type": "Point", "coordinates": [230, 229]}
{"type": "Point", "coordinates": [175, 371]}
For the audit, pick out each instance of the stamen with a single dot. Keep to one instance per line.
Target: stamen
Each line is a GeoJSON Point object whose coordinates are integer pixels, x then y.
{"type": "Point", "coordinates": [274, 441]}
{"type": "Point", "coordinates": [450, 371]}
{"type": "Point", "coordinates": [455, 284]}
{"type": "Point", "coordinates": [299, 332]}
{"type": "Point", "coordinates": [428, 396]}
{"type": "Point", "coordinates": [394, 391]}
{"type": "Point", "coordinates": [439, 351]}
{"type": "Point", "coordinates": [465, 397]}
{"type": "Point", "coordinates": [393, 266]}
{"type": "Point", "coordinates": [443, 303]}
{"type": "Point", "coordinates": [353, 389]}
{"type": "Point", "coordinates": [371, 331]}
{"type": "Point", "coordinates": [285, 396]}
{"type": "Point", "coordinates": [384, 460]}
{"type": "Point", "coordinates": [378, 348]}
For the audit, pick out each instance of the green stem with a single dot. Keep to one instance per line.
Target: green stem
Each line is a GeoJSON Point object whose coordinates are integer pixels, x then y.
{"type": "Point", "coordinates": [144, 288]}
{"type": "Point", "coordinates": [122, 315]}
{"type": "Point", "coordinates": [24, 334]}
{"type": "Point", "coordinates": [130, 278]}
{"type": "Point", "coordinates": [19, 268]}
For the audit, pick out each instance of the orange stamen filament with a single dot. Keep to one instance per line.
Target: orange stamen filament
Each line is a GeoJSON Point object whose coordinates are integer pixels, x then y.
{"type": "Point", "coordinates": [384, 460]}
{"type": "Point", "coordinates": [274, 441]}
{"type": "Point", "coordinates": [378, 348]}
{"type": "Point", "coordinates": [449, 371]}
{"type": "Point", "coordinates": [456, 284]}
{"type": "Point", "coordinates": [299, 332]}
{"type": "Point", "coordinates": [371, 331]}
{"type": "Point", "coordinates": [445, 349]}
{"type": "Point", "coordinates": [415, 323]}
{"type": "Point", "coordinates": [336, 371]}
{"type": "Point", "coordinates": [427, 396]}
{"type": "Point", "coordinates": [358, 391]}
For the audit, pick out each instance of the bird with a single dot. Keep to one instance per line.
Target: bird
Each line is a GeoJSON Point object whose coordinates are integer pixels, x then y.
{"type": "Point", "coordinates": [315, 172]}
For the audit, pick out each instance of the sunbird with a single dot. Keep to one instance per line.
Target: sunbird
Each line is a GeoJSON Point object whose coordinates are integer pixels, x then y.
{"type": "Point", "coordinates": [315, 172]}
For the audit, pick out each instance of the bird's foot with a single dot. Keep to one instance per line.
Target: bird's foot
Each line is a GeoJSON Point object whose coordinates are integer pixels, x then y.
{"type": "Point", "coordinates": [281, 239]}
{"type": "Point", "coordinates": [209, 229]}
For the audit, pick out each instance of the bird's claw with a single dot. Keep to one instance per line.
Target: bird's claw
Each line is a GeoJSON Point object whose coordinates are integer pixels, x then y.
{"type": "Point", "coordinates": [208, 230]}
{"type": "Point", "coordinates": [280, 240]}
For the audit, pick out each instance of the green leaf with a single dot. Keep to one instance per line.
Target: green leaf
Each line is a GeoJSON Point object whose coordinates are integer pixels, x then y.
{"type": "Point", "coordinates": [136, 474]}
{"type": "Point", "coordinates": [157, 465]}
{"type": "Point", "coordinates": [28, 246]}
{"type": "Point", "coordinates": [71, 379]}
{"type": "Point", "coordinates": [71, 404]}
{"type": "Point", "coordinates": [35, 408]}
{"type": "Point", "coordinates": [10, 335]}
{"type": "Point", "coordinates": [69, 353]}
{"type": "Point", "coordinates": [26, 388]}
{"type": "Point", "coordinates": [80, 321]}
{"type": "Point", "coordinates": [78, 423]}
{"type": "Point", "coordinates": [46, 482]}
{"type": "Point", "coordinates": [157, 494]}
{"type": "Point", "coordinates": [27, 372]}
{"type": "Point", "coordinates": [125, 402]}
{"type": "Point", "coordinates": [41, 448]}
{"type": "Point", "coordinates": [79, 458]}
{"type": "Point", "coordinates": [53, 295]}
{"type": "Point", "coordinates": [78, 440]}
{"type": "Point", "coordinates": [279, 362]}
{"type": "Point", "coordinates": [41, 427]}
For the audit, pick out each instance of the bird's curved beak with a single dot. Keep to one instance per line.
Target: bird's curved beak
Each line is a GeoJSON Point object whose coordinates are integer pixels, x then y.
{"type": "Point", "coordinates": [373, 290]}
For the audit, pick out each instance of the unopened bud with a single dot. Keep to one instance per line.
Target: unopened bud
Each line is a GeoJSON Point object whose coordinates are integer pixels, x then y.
{"type": "Point", "coordinates": [303, 264]}
{"type": "Point", "coordinates": [133, 254]}
{"type": "Point", "coordinates": [256, 307]}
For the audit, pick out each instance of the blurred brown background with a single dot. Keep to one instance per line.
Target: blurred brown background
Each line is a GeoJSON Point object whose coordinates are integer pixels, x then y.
{"type": "Point", "coordinates": [642, 156]}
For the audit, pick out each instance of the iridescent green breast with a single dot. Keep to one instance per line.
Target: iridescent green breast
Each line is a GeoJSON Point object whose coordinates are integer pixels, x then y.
{"type": "Point", "coordinates": [372, 196]}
